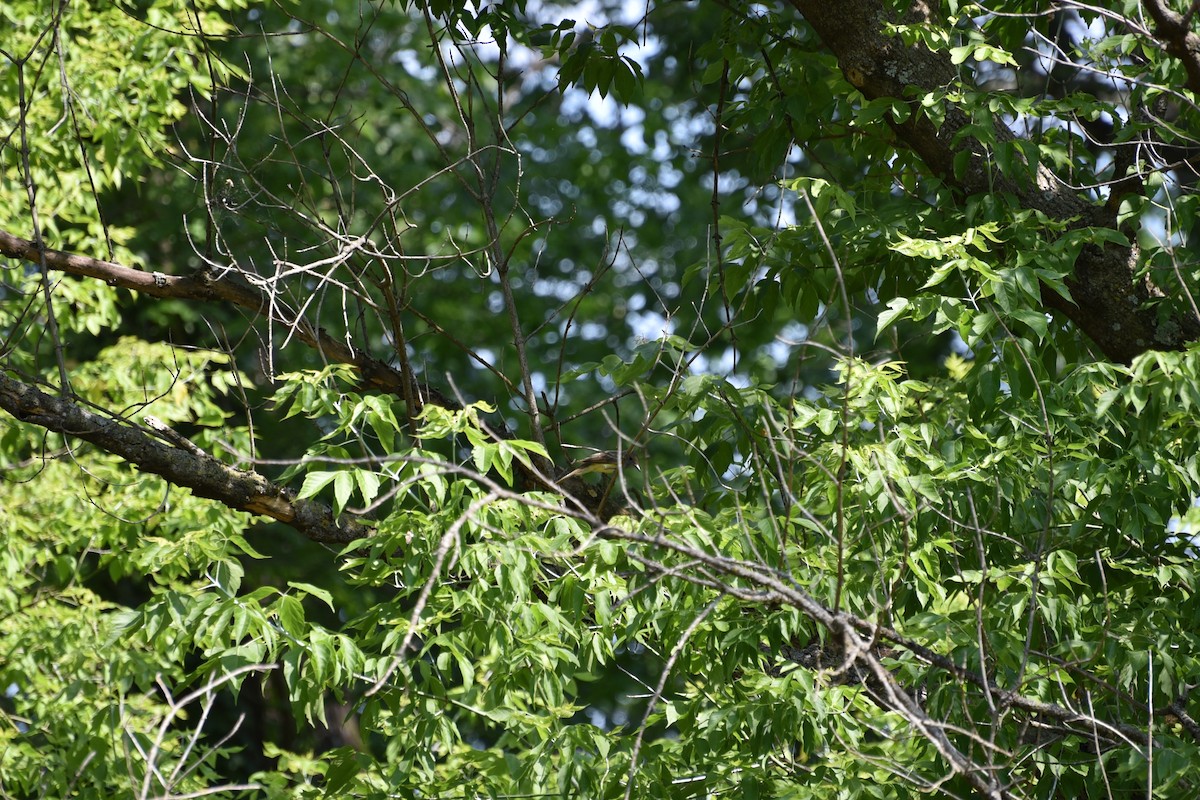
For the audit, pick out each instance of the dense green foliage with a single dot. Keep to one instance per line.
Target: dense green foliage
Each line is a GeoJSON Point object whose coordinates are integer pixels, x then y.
{"type": "Point", "coordinates": [910, 380]}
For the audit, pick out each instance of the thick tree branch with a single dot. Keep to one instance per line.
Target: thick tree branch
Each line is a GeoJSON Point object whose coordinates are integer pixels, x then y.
{"type": "Point", "coordinates": [1112, 306]}
{"type": "Point", "coordinates": [1172, 30]}
{"type": "Point", "coordinates": [204, 475]}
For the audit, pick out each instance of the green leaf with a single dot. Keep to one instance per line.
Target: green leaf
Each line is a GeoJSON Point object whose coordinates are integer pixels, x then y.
{"type": "Point", "coordinates": [321, 594]}
{"type": "Point", "coordinates": [291, 615]}
{"type": "Point", "coordinates": [314, 482]}
{"type": "Point", "coordinates": [343, 486]}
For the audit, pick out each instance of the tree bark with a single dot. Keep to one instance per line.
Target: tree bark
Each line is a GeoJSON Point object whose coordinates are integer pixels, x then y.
{"type": "Point", "coordinates": [203, 474]}
{"type": "Point", "coordinates": [1112, 306]}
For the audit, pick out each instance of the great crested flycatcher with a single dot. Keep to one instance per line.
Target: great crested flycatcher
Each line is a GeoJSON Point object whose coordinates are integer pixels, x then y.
{"type": "Point", "coordinates": [604, 462]}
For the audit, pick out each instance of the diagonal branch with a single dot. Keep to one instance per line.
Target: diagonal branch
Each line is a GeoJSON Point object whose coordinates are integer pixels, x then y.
{"type": "Point", "coordinates": [234, 290]}
{"type": "Point", "coordinates": [203, 474]}
{"type": "Point", "coordinates": [858, 651]}
{"type": "Point", "coordinates": [228, 288]}
{"type": "Point", "coordinates": [775, 590]}
{"type": "Point", "coordinates": [1172, 30]}
{"type": "Point", "coordinates": [1112, 305]}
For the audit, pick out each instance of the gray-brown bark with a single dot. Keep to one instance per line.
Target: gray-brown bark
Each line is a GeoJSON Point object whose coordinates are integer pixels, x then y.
{"type": "Point", "coordinates": [1112, 305]}
{"type": "Point", "coordinates": [204, 475]}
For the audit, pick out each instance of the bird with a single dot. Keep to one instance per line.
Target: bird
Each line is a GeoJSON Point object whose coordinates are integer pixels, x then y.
{"type": "Point", "coordinates": [605, 462]}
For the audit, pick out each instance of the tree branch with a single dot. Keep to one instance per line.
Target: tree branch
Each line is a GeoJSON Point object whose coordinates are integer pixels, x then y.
{"type": "Point", "coordinates": [235, 290]}
{"type": "Point", "coordinates": [1172, 30]}
{"type": "Point", "coordinates": [860, 655]}
{"type": "Point", "coordinates": [203, 474]}
{"type": "Point", "coordinates": [1112, 306]}
{"type": "Point", "coordinates": [230, 288]}
{"type": "Point", "coordinates": [775, 590]}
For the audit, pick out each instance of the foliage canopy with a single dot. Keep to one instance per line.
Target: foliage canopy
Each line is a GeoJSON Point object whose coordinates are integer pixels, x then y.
{"type": "Point", "coordinates": [307, 310]}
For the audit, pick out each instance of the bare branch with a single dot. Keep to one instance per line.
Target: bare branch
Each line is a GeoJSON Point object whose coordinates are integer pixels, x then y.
{"type": "Point", "coordinates": [228, 288]}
